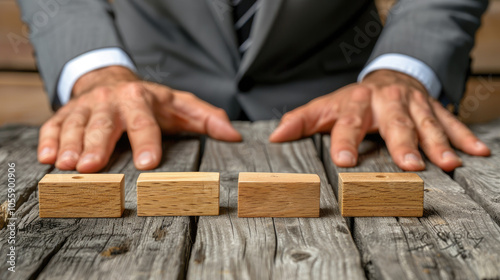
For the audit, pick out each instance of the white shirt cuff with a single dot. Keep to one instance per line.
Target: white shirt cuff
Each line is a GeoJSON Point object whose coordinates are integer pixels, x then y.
{"type": "Point", "coordinates": [408, 65]}
{"type": "Point", "coordinates": [87, 62]}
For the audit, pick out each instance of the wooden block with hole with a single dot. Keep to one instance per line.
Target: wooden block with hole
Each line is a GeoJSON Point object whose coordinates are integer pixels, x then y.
{"type": "Point", "coordinates": [381, 195]}
{"type": "Point", "coordinates": [278, 195]}
{"type": "Point", "coordinates": [81, 195]}
{"type": "Point", "coordinates": [178, 194]}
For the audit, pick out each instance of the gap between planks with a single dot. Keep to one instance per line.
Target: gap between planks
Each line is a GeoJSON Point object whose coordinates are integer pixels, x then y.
{"type": "Point", "coordinates": [451, 240]}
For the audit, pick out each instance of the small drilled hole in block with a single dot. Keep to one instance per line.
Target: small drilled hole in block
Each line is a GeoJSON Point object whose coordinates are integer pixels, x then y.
{"type": "Point", "coordinates": [381, 176]}
{"type": "Point", "coordinates": [77, 177]}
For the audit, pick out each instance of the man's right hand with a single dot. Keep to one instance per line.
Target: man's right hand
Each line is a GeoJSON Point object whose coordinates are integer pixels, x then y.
{"type": "Point", "coordinates": [109, 101]}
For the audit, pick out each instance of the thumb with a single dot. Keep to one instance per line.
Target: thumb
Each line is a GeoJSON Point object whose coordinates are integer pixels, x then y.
{"type": "Point", "coordinates": [218, 126]}
{"type": "Point", "coordinates": [291, 127]}
{"type": "Point", "coordinates": [316, 116]}
{"type": "Point", "coordinates": [184, 111]}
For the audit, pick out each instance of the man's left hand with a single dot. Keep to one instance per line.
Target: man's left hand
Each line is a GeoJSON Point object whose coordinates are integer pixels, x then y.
{"type": "Point", "coordinates": [399, 108]}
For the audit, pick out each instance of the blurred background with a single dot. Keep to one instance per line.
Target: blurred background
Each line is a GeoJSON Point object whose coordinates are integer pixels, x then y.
{"type": "Point", "coordinates": [22, 98]}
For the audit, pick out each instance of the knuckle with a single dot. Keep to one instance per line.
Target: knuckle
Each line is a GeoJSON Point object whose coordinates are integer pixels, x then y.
{"type": "Point", "coordinates": [142, 121]}
{"type": "Point", "coordinates": [429, 122]}
{"type": "Point", "coordinates": [48, 125]}
{"type": "Point", "coordinates": [394, 92]}
{"type": "Point", "coordinates": [401, 122]}
{"type": "Point", "coordinates": [287, 116]}
{"type": "Point", "coordinates": [101, 94]}
{"type": "Point", "coordinates": [361, 92]}
{"type": "Point", "coordinates": [134, 90]}
{"type": "Point", "coordinates": [101, 123]}
{"type": "Point", "coordinates": [70, 146]}
{"type": "Point", "coordinates": [220, 112]}
{"type": "Point", "coordinates": [77, 119]}
{"type": "Point", "coordinates": [94, 138]}
{"type": "Point", "coordinates": [345, 143]}
{"type": "Point", "coordinates": [188, 94]}
{"type": "Point", "coordinates": [420, 96]}
{"type": "Point", "coordinates": [351, 120]}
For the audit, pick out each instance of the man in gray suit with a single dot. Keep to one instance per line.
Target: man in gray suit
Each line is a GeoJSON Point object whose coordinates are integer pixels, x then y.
{"type": "Point", "coordinates": [192, 65]}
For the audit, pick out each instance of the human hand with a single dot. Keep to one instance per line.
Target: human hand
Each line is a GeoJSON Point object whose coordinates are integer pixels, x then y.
{"type": "Point", "coordinates": [109, 101]}
{"type": "Point", "coordinates": [396, 105]}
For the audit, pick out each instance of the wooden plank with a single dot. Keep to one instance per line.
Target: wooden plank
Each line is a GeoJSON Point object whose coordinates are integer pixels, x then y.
{"type": "Point", "coordinates": [278, 195]}
{"type": "Point", "coordinates": [137, 247]}
{"type": "Point", "coordinates": [378, 194]}
{"type": "Point", "coordinates": [81, 196]}
{"type": "Point", "coordinates": [229, 247]}
{"type": "Point", "coordinates": [18, 145]}
{"type": "Point", "coordinates": [480, 176]}
{"type": "Point", "coordinates": [455, 239]}
{"type": "Point", "coordinates": [178, 194]}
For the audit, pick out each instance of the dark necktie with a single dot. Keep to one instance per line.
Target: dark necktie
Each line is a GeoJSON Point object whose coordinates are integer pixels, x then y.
{"type": "Point", "coordinates": [243, 14]}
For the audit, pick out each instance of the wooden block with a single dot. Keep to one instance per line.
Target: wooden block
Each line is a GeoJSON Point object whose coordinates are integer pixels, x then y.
{"type": "Point", "coordinates": [278, 195]}
{"type": "Point", "coordinates": [81, 195]}
{"type": "Point", "coordinates": [381, 195]}
{"type": "Point", "coordinates": [178, 194]}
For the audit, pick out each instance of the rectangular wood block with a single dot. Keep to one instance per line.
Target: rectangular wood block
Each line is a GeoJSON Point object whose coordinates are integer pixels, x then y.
{"type": "Point", "coordinates": [278, 195]}
{"type": "Point", "coordinates": [178, 194]}
{"type": "Point", "coordinates": [81, 195]}
{"type": "Point", "coordinates": [381, 195]}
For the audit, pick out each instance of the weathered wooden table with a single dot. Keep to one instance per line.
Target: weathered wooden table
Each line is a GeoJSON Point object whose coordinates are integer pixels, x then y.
{"type": "Point", "coordinates": [458, 237]}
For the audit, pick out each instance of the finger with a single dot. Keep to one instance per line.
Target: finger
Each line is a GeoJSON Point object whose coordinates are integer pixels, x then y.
{"type": "Point", "coordinates": [183, 111]}
{"type": "Point", "coordinates": [433, 140]}
{"type": "Point", "coordinates": [398, 130]}
{"type": "Point", "coordinates": [460, 136]}
{"type": "Point", "coordinates": [350, 128]}
{"type": "Point", "coordinates": [101, 134]}
{"type": "Point", "coordinates": [218, 126]}
{"type": "Point", "coordinates": [71, 138]}
{"type": "Point", "coordinates": [143, 131]}
{"type": "Point", "coordinates": [318, 115]}
{"type": "Point", "coordinates": [48, 140]}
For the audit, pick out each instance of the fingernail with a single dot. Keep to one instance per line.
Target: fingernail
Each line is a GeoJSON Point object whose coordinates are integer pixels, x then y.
{"type": "Point", "coordinates": [413, 160]}
{"type": "Point", "coordinates": [69, 156]}
{"type": "Point", "coordinates": [450, 156]}
{"type": "Point", "coordinates": [88, 159]}
{"type": "Point", "coordinates": [144, 159]}
{"type": "Point", "coordinates": [46, 152]}
{"type": "Point", "coordinates": [346, 158]}
{"type": "Point", "coordinates": [481, 145]}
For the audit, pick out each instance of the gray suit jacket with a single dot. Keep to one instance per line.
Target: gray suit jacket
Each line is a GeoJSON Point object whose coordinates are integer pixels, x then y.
{"type": "Point", "coordinates": [301, 49]}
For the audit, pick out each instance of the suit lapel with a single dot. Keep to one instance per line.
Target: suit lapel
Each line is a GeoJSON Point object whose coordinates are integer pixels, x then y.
{"type": "Point", "coordinates": [222, 12]}
{"type": "Point", "coordinates": [262, 25]}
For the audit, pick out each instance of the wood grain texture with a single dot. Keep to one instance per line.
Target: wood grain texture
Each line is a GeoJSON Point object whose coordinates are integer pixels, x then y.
{"type": "Point", "coordinates": [480, 176]}
{"type": "Point", "coordinates": [278, 195]}
{"type": "Point", "coordinates": [381, 194]}
{"type": "Point", "coordinates": [178, 194]}
{"type": "Point", "coordinates": [81, 196]}
{"type": "Point", "coordinates": [116, 248]}
{"type": "Point", "coordinates": [18, 145]}
{"type": "Point", "coordinates": [228, 247]}
{"type": "Point", "coordinates": [455, 239]}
